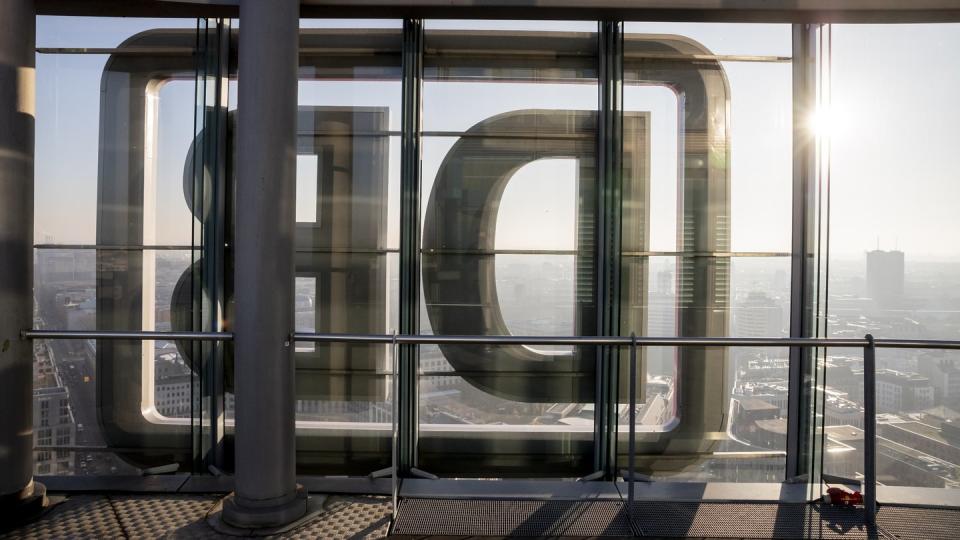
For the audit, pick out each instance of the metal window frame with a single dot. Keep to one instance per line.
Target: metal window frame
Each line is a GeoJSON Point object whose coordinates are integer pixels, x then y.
{"type": "Point", "coordinates": [407, 399]}
{"type": "Point", "coordinates": [213, 68]}
{"type": "Point", "coordinates": [610, 58]}
{"type": "Point", "coordinates": [803, 375]}
{"type": "Point", "coordinates": [607, 261]}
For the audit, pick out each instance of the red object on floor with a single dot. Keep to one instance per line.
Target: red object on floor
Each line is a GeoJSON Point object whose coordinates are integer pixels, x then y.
{"type": "Point", "coordinates": [841, 497]}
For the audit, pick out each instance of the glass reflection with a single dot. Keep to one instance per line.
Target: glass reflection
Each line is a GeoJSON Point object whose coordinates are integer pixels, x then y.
{"type": "Point", "coordinates": [681, 220]}
{"type": "Point", "coordinates": [493, 261]}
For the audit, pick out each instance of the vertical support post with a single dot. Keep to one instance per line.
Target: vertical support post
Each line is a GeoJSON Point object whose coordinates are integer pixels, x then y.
{"type": "Point", "coordinates": [410, 238]}
{"type": "Point", "coordinates": [19, 495]}
{"type": "Point", "coordinates": [870, 429]}
{"type": "Point", "coordinates": [266, 493]}
{"type": "Point", "coordinates": [607, 248]}
{"type": "Point", "coordinates": [394, 447]}
{"type": "Point", "coordinates": [210, 184]}
{"type": "Point", "coordinates": [218, 278]}
{"type": "Point", "coordinates": [801, 395]}
{"type": "Point", "coordinates": [632, 443]}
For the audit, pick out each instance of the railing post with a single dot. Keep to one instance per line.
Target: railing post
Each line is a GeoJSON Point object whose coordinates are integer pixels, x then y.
{"type": "Point", "coordinates": [870, 429]}
{"type": "Point", "coordinates": [394, 447]}
{"type": "Point", "coordinates": [632, 443]}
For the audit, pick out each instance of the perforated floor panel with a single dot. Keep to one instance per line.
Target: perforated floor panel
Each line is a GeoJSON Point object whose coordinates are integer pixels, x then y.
{"type": "Point", "coordinates": [183, 516]}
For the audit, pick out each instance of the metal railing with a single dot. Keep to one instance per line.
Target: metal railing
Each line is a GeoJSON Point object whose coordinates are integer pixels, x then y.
{"type": "Point", "coordinates": [126, 334]}
{"type": "Point", "coordinates": [868, 343]}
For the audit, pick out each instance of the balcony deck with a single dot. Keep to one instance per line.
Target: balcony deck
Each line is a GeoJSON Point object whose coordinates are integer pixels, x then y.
{"type": "Point", "coordinates": [368, 517]}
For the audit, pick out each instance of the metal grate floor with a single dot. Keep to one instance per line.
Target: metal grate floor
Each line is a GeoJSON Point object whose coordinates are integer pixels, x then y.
{"type": "Point", "coordinates": [509, 518]}
{"type": "Point", "coordinates": [367, 517]}
{"type": "Point", "coordinates": [183, 516]}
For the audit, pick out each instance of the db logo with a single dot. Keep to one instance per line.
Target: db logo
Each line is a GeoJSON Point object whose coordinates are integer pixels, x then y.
{"type": "Point", "coordinates": [344, 251]}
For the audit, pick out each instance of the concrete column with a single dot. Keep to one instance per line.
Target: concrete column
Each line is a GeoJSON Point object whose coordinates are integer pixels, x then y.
{"type": "Point", "coordinates": [266, 493]}
{"type": "Point", "coordinates": [17, 43]}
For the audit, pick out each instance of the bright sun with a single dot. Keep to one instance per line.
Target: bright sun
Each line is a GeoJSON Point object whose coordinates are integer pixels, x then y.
{"type": "Point", "coordinates": [825, 122]}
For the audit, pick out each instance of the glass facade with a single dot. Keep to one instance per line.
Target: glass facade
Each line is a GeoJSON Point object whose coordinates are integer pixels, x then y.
{"type": "Point", "coordinates": [498, 178]}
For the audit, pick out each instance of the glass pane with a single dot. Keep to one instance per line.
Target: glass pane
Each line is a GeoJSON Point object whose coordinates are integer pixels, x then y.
{"type": "Point", "coordinates": [735, 399]}
{"type": "Point", "coordinates": [98, 32]}
{"type": "Point", "coordinates": [736, 125]}
{"type": "Point", "coordinates": [484, 432]}
{"type": "Point", "coordinates": [347, 238]}
{"type": "Point", "coordinates": [114, 393]}
{"type": "Point", "coordinates": [735, 39]}
{"type": "Point", "coordinates": [176, 391]}
{"type": "Point", "coordinates": [893, 272]}
{"type": "Point", "coordinates": [652, 156]}
{"type": "Point", "coordinates": [707, 170]}
{"type": "Point", "coordinates": [347, 241]}
{"type": "Point", "coordinates": [842, 435]}
{"type": "Point", "coordinates": [508, 208]}
{"type": "Point", "coordinates": [113, 142]}
{"type": "Point", "coordinates": [113, 146]}
{"type": "Point", "coordinates": [65, 412]}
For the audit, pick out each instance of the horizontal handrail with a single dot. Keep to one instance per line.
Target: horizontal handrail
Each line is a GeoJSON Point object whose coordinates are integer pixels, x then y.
{"type": "Point", "coordinates": [126, 334]}
{"type": "Point", "coordinates": [574, 340]}
{"type": "Point", "coordinates": [511, 340]}
{"type": "Point", "coordinates": [627, 341]}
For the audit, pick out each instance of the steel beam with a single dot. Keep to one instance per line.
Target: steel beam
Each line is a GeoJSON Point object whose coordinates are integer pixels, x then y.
{"type": "Point", "coordinates": [266, 491]}
{"type": "Point", "coordinates": [17, 119]}
{"type": "Point", "coordinates": [798, 11]}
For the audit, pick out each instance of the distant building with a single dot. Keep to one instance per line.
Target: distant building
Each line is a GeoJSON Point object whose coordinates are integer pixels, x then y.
{"type": "Point", "coordinates": [750, 415]}
{"type": "Point", "coordinates": [839, 410]}
{"type": "Point", "coordinates": [885, 277]}
{"type": "Point", "coordinates": [758, 315]}
{"type": "Point", "coordinates": [342, 411]}
{"type": "Point", "coordinates": [174, 390]}
{"type": "Point", "coordinates": [770, 433]}
{"type": "Point", "coordinates": [897, 464]}
{"type": "Point", "coordinates": [921, 437]}
{"type": "Point", "coordinates": [173, 396]}
{"type": "Point", "coordinates": [900, 392]}
{"type": "Point", "coordinates": [53, 422]}
{"type": "Point", "coordinates": [944, 375]}
{"type": "Point", "coordinates": [772, 392]}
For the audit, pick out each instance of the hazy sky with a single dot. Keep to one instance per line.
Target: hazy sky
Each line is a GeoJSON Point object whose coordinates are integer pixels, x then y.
{"type": "Point", "coordinates": [894, 136]}
{"type": "Point", "coordinates": [896, 140]}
